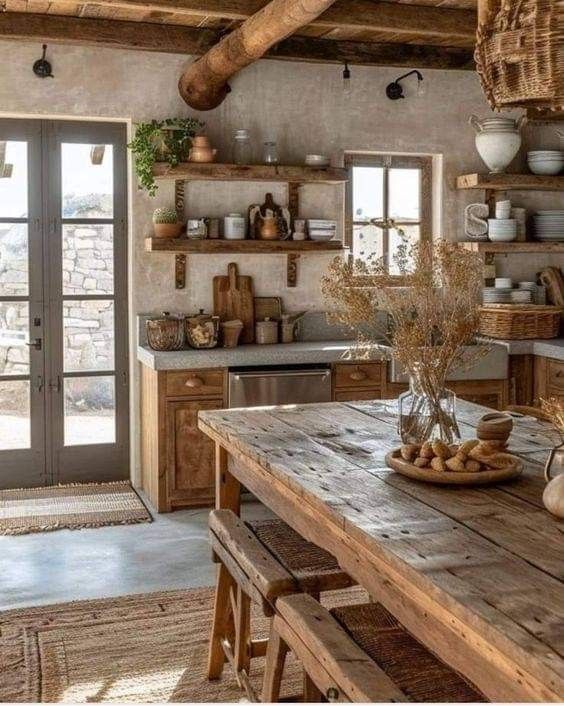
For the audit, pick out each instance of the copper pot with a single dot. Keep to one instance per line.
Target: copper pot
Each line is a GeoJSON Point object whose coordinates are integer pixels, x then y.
{"type": "Point", "coordinates": [165, 333]}
{"type": "Point", "coordinates": [268, 229]}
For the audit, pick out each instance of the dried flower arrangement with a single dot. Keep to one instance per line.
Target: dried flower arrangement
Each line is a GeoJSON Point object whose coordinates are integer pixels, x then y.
{"type": "Point", "coordinates": [432, 316]}
{"type": "Point", "coordinates": [553, 408]}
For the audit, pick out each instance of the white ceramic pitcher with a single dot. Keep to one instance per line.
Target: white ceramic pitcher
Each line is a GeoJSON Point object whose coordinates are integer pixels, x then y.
{"type": "Point", "coordinates": [497, 140]}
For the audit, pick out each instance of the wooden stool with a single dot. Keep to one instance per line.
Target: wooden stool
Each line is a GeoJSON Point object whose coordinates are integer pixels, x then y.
{"type": "Point", "coordinates": [259, 561]}
{"type": "Point", "coordinates": [357, 653]}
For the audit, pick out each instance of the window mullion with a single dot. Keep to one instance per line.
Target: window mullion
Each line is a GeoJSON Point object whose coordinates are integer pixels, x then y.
{"type": "Point", "coordinates": [386, 212]}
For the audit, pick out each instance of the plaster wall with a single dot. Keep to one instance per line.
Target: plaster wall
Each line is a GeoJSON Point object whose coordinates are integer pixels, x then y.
{"type": "Point", "coordinates": [300, 105]}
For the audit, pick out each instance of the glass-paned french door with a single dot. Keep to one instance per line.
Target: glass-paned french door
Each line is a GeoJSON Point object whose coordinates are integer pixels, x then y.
{"type": "Point", "coordinates": [63, 303]}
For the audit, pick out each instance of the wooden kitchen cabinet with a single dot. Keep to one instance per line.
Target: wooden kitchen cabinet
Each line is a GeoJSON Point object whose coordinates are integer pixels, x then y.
{"type": "Point", "coordinates": [549, 378]}
{"type": "Point", "coordinates": [358, 381]}
{"type": "Point", "coordinates": [177, 460]}
{"type": "Point", "coordinates": [489, 393]}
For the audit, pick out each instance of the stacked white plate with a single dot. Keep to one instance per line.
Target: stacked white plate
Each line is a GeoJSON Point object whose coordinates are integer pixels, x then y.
{"type": "Point", "coordinates": [502, 229]}
{"type": "Point", "coordinates": [521, 296]}
{"type": "Point", "coordinates": [496, 295]}
{"type": "Point", "coordinates": [321, 229]}
{"type": "Point", "coordinates": [546, 162]}
{"type": "Point", "coordinates": [549, 225]}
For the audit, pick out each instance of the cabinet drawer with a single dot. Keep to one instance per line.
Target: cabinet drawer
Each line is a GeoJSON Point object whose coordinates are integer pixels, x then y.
{"type": "Point", "coordinates": [194, 383]}
{"type": "Point", "coordinates": [555, 374]}
{"type": "Point", "coordinates": [357, 395]}
{"type": "Point", "coordinates": [359, 375]}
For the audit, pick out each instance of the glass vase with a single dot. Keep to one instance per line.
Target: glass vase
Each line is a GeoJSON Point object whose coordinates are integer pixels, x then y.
{"type": "Point", "coordinates": [424, 416]}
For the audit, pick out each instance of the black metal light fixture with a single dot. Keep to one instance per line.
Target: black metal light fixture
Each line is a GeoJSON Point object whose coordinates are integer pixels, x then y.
{"type": "Point", "coordinates": [42, 67]}
{"type": "Point", "coordinates": [394, 90]}
{"type": "Point", "coordinates": [346, 78]}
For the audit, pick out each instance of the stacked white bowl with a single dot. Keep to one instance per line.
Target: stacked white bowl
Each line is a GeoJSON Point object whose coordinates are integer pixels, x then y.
{"type": "Point", "coordinates": [546, 162]}
{"type": "Point", "coordinates": [549, 225]}
{"type": "Point", "coordinates": [502, 229]}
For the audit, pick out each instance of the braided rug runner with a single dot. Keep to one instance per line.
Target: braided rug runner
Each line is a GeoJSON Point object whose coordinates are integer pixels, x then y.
{"type": "Point", "coordinates": [70, 506]}
{"type": "Point", "coordinates": [146, 648]}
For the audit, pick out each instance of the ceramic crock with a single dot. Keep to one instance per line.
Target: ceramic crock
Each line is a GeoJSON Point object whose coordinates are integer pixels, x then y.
{"type": "Point", "coordinates": [201, 150]}
{"type": "Point", "coordinates": [165, 333]}
{"type": "Point", "coordinates": [553, 496]}
{"type": "Point", "coordinates": [497, 140]}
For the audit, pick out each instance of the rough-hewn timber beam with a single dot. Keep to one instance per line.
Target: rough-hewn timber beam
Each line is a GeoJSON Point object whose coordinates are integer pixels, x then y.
{"type": "Point", "coordinates": [203, 85]}
{"type": "Point", "coordinates": [397, 20]}
{"type": "Point", "coordinates": [149, 36]}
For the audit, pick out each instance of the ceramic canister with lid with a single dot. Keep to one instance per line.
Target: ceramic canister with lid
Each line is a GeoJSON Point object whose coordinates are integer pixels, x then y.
{"type": "Point", "coordinates": [266, 332]}
{"type": "Point", "coordinates": [234, 227]}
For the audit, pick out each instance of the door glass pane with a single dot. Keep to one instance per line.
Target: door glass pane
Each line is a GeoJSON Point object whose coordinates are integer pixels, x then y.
{"type": "Point", "coordinates": [14, 333]}
{"type": "Point", "coordinates": [412, 233]}
{"type": "Point", "coordinates": [88, 335]}
{"type": "Point", "coordinates": [368, 193]}
{"type": "Point", "coordinates": [88, 259]}
{"type": "Point", "coordinates": [404, 194]}
{"type": "Point", "coordinates": [90, 410]}
{"type": "Point", "coordinates": [367, 242]}
{"type": "Point", "coordinates": [13, 260]}
{"type": "Point", "coordinates": [15, 427]}
{"type": "Point", "coordinates": [13, 179]}
{"type": "Point", "coordinates": [87, 179]}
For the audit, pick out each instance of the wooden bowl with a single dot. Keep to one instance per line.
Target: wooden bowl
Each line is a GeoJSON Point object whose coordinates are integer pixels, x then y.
{"type": "Point", "coordinates": [428, 475]}
{"type": "Point", "coordinates": [494, 426]}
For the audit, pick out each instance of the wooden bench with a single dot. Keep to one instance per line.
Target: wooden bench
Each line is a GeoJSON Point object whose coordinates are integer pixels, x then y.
{"type": "Point", "coordinates": [259, 562]}
{"type": "Point", "coordinates": [357, 653]}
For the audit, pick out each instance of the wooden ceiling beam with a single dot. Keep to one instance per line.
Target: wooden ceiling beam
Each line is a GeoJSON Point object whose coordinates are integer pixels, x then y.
{"type": "Point", "coordinates": [173, 39]}
{"type": "Point", "coordinates": [385, 18]}
{"type": "Point", "coordinates": [203, 85]}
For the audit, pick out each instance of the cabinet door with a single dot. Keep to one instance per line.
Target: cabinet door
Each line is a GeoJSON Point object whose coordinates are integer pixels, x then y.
{"type": "Point", "coordinates": [190, 454]}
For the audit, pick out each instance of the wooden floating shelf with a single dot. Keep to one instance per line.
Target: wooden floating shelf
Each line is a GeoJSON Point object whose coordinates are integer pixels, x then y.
{"type": "Point", "coordinates": [509, 182]}
{"type": "Point", "coordinates": [192, 171]}
{"type": "Point", "coordinates": [514, 248]}
{"type": "Point", "coordinates": [283, 247]}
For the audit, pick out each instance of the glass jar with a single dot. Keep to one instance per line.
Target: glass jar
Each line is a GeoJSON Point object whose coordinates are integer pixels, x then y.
{"type": "Point", "coordinates": [427, 415]}
{"type": "Point", "coordinates": [241, 147]}
{"type": "Point", "coordinates": [270, 152]}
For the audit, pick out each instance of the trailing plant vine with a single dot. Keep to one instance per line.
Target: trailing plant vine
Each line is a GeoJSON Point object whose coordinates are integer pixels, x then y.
{"type": "Point", "coordinates": [161, 141]}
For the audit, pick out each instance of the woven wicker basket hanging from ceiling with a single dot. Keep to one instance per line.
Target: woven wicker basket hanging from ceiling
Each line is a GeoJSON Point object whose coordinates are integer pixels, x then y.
{"type": "Point", "coordinates": [520, 53]}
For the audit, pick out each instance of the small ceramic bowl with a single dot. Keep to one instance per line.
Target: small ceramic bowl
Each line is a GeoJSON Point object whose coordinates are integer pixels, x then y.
{"type": "Point", "coordinates": [317, 160]}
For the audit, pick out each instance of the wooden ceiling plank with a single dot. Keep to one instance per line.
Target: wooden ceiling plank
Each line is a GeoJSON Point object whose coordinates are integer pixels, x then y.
{"type": "Point", "coordinates": [353, 15]}
{"type": "Point", "coordinates": [173, 39]}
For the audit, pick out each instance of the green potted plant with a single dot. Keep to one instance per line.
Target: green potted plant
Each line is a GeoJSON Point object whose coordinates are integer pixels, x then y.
{"type": "Point", "coordinates": [161, 141]}
{"type": "Point", "coordinates": [166, 223]}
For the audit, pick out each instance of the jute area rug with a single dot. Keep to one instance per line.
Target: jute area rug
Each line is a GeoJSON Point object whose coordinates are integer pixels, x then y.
{"type": "Point", "coordinates": [70, 506]}
{"type": "Point", "coordinates": [147, 648]}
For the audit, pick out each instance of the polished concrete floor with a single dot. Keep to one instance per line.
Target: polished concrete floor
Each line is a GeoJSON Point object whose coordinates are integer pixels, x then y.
{"type": "Point", "coordinates": [54, 567]}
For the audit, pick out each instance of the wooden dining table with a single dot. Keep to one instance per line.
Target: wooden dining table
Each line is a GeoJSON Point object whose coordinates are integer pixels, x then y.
{"type": "Point", "coordinates": [474, 573]}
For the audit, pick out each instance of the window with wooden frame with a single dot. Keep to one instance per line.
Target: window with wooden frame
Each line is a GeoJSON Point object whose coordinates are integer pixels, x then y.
{"type": "Point", "coordinates": [383, 191]}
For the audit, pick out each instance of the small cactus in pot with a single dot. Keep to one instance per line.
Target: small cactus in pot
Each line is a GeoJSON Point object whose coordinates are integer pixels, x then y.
{"type": "Point", "coordinates": [166, 223]}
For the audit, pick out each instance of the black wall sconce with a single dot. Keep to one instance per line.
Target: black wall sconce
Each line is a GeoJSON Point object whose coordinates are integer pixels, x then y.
{"type": "Point", "coordinates": [42, 67]}
{"type": "Point", "coordinates": [394, 90]}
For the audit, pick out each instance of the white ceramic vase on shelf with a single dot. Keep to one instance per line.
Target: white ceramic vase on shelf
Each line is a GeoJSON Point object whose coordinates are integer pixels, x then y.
{"type": "Point", "coordinates": [497, 140]}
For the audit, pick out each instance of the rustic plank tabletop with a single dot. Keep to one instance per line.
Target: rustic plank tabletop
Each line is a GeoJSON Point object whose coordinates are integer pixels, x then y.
{"type": "Point", "coordinates": [477, 574]}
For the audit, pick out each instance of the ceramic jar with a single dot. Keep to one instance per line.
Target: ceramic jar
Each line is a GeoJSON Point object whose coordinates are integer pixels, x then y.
{"type": "Point", "coordinates": [497, 140]}
{"type": "Point", "coordinates": [201, 150]}
{"type": "Point", "coordinates": [553, 496]}
{"type": "Point", "coordinates": [165, 333]}
{"type": "Point", "coordinates": [235, 227]}
{"type": "Point", "coordinates": [268, 229]}
{"type": "Point", "coordinates": [266, 332]}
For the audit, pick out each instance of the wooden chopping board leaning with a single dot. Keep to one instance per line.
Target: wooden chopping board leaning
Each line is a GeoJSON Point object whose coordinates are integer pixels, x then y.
{"type": "Point", "coordinates": [233, 298]}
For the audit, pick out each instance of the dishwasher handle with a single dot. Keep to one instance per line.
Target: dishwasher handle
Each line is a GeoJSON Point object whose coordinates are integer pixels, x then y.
{"type": "Point", "coordinates": [282, 373]}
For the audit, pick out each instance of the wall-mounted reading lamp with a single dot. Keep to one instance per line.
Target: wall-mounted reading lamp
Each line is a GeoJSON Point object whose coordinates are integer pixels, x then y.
{"type": "Point", "coordinates": [394, 90]}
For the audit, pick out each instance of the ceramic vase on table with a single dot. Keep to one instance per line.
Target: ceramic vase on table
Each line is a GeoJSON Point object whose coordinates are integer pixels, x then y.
{"type": "Point", "coordinates": [497, 140]}
{"type": "Point", "coordinates": [553, 496]}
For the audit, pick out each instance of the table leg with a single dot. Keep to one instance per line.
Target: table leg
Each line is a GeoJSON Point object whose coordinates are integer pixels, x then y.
{"type": "Point", "coordinates": [227, 487]}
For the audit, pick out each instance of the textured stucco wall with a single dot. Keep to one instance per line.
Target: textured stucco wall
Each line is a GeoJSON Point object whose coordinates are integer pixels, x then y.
{"type": "Point", "coordinates": [301, 105]}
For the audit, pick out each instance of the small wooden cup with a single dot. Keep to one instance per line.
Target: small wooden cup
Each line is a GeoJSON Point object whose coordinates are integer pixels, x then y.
{"type": "Point", "coordinates": [231, 331]}
{"type": "Point", "coordinates": [496, 427]}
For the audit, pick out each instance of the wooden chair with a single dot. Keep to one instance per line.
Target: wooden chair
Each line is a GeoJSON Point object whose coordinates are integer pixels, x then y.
{"type": "Point", "coordinates": [358, 653]}
{"type": "Point", "coordinates": [259, 561]}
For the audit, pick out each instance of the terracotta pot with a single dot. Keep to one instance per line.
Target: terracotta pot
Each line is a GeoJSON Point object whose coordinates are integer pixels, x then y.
{"type": "Point", "coordinates": [201, 150]}
{"type": "Point", "coordinates": [268, 229]}
{"type": "Point", "coordinates": [167, 230]}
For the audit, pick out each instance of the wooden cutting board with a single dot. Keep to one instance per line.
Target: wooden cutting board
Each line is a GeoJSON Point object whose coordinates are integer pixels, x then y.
{"type": "Point", "coordinates": [233, 298]}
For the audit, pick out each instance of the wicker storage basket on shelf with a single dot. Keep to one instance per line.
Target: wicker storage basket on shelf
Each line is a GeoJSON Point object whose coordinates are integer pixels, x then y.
{"type": "Point", "coordinates": [520, 53]}
{"type": "Point", "coordinates": [515, 321]}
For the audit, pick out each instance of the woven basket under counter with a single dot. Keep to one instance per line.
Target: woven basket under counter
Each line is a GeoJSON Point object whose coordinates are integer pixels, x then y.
{"type": "Point", "coordinates": [516, 321]}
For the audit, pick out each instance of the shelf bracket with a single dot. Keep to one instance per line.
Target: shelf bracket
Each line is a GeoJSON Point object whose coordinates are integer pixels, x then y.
{"type": "Point", "coordinates": [292, 270]}
{"type": "Point", "coordinates": [180, 271]}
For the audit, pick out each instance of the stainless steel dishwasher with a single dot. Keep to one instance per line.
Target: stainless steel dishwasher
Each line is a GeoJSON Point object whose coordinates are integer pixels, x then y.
{"type": "Point", "coordinates": [260, 387]}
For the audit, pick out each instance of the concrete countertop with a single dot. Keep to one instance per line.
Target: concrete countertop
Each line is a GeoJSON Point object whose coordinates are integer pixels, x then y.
{"type": "Point", "coordinates": [307, 352]}
{"type": "Point", "coordinates": [549, 348]}
{"type": "Point", "coordinates": [253, 355]}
